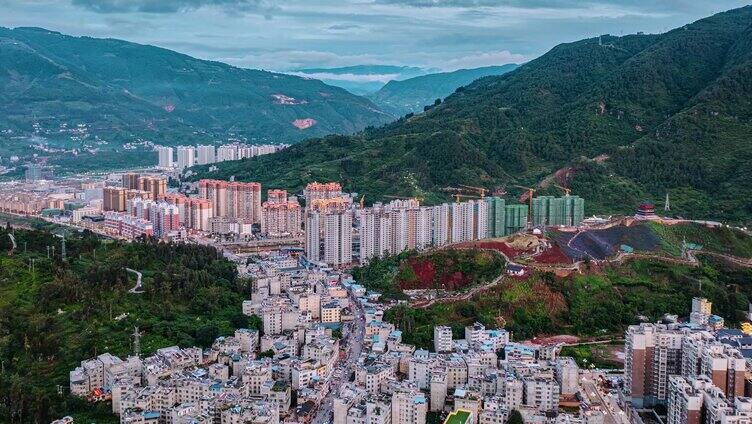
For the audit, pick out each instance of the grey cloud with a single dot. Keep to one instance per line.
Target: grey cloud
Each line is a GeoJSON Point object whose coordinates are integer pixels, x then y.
{"type": "Point", "coordinates": [171, 6]}
{"type": "Point", "coordinates": [672, 6]}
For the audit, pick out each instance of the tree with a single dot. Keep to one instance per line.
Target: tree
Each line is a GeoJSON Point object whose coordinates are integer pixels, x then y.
{"type": "Point", "coordinates": [267, 354]}
{"type": "Point", "coordinates": [205, 335]}
{"type": "Point", "coordinates": [515, 417]}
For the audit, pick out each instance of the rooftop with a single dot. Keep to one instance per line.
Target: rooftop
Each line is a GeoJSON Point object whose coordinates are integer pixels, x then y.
{"type": "Point", "coordinates": [459, 416]}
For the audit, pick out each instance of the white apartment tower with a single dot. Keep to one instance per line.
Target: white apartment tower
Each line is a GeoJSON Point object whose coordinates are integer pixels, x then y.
{"type": "Point", "coordinates": [186, 157]}
{"type": "Point", "coordinates": [313, 237]}
{"type": "Point", "coordinates": [442, 339]}
{"type": "Point", "coordinates": [441, 224]}
{"type": "Point", "coordinates": [338, 238]}
{"type": "Point", "coordinates": [205, 155]}
{"type": "Point", "coordinates": [165, 157]}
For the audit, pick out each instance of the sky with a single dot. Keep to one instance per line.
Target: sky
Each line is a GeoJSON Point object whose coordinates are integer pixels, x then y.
{"type": "Point", "coordinates": [292, 34]}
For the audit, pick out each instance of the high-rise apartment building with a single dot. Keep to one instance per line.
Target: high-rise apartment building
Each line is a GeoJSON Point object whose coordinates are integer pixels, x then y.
{"type": "Point", "coordinates": [157, 186]}
{"type": "Point", "coordinates": [313, 237]}
{"type": "Point", "coordinates": [463, 221]}
{"type": "Point", "coordinates": [197, 214]}
{"type": "Point", "coordinates": [337, 240]}
{"type": "Point", "coordinates": [516, 218]}
{"type": "Point", "coordinates": [166, 158]}
{"type": "Point", "coordinates": [441, 224]}
{"type": "Point", "coordinates": [700, 401]}
{"type": "Point", "coordinates": [186, 157]}
{"type": "Point", "coordinates": [113, 199]}
{"type": "Point", "coordinates": [684, 402]}
{"type": "Point", "coordinates": [164, 217]}
{"type": "Point", "coordinates": [130, 181]}
{"type": "Point", "coordinates": [725, 366]}
{"type": "Point", "coordinates": [227, 152]}
{"type": "Point", "coordinates": [480, 219]}
{"type": "Point", "coordinates": [392, 228]}
{"type": "Point", "coordinates": [566, 211]}
{"type": "Point", "coordinates": [280, 216]}
{"type": "Point", "coordinates": [315, 191]}
{"type": "Point", "coordinates": [233, 199]}
{"type": "Point", "coordinates": [653, 352]}
{"type": "Point", "coordinates": [205, 155]}
{"type": "Point", "coordinates": [496, 222]}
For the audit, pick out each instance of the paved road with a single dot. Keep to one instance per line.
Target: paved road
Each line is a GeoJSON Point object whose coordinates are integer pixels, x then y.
{"type": "Point", "coordinates": [353, 349]}
{"type": "Point", "coordinates": [137, 288]}
{"type": "Point", "coordinates": [614, 413]}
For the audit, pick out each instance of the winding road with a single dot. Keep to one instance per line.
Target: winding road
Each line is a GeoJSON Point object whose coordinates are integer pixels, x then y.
{"type": "Point", "coordinates": [138, 288]}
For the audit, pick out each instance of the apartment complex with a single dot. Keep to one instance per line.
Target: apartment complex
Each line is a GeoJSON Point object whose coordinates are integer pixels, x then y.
{"type": "Point", "coordinates": [329, 236]}
{"type": "Point", "coordinates": [558, 211]}
{"type": "Point", "coordinates": [186, 156]}
{"type": "Point", "coordinates": [656, 352]}
{"type": "Point", "coordinates": [155, 186]}
{"type": "Point", "coordinates": [281, 216]}
{"type": "Point", "coordinates": [233, 199]}
{"type": "Point", "coordinates": [700, 401]}
{"type": "Point", "coordinates": [166, 157]}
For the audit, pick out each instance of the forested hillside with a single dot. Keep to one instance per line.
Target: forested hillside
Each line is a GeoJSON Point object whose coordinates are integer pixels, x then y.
{"type": "Point", "coordinates": [55, 313]}
{"type": "Point", "coordinates": [632, 117]}
{"type": "Point", "coordinates": [413, 94]}
{"type": "Point", "coordinates": [123, 91]}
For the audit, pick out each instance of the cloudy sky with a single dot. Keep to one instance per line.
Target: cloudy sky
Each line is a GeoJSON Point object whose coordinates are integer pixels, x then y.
{"type": "Point", "coordinates": [291, 34]}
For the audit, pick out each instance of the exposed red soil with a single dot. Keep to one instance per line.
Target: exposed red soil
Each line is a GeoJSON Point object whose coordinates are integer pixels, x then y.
{"type": "Point", "coordinates": [553, 255]}
{"type": "Point", "coordinates": [499, 246]}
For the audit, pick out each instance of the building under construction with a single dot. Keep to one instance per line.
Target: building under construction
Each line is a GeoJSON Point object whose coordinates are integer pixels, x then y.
{"type": "Point", "coordinates": [504, 219]}
{"type": "Point", "coordinates": [550, 210]}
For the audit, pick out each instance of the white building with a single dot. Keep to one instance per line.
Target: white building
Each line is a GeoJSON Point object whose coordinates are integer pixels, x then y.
{"type": "Point", "coordinates": [165, 154]}
{"type": "Point", "coordinates": [186, 157]}
{"type": "Point", "coordinates": [442, 339]}
{"type": "Point", "coordinates": [205, 155]}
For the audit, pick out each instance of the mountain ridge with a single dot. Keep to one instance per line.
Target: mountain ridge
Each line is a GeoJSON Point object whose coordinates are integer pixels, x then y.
{"type": "Point", "coordinates": [642, 102]}
{"type": "Point", "coordinates": [160, 94]}
{"type": "Point", "coordinates": [412, 94]}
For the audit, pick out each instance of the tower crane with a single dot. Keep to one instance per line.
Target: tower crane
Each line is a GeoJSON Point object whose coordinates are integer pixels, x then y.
{"type": "Point", "coordinates": [458, 196]}
{"type": "Point", "coordinates": [480, 190]}
{"type": "Point", "coordinates": [566, 190]}
{"type": "Point", "coordinates": [530, 192]}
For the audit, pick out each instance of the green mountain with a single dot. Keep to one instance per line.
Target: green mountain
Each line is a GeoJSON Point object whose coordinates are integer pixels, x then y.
{"type": "Point", "coordinates": [411, 95]}
{"type": "Point", "coordinates": [362, 79]}
{"type": "Point", "coordinates": [124, 90]}
{"type": "Point", "coordinates": [625, 118]}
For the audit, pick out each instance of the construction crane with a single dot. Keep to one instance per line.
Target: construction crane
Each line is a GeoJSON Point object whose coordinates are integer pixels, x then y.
{"type": "Point", "coordinates": [458, 196]}
{"type": "Point", "coordinates": [566, 190]}
{"type": "Point", "coordinates": [480, 190]}
{"type": "Point", "coordinates": [362, 201]}
{"type": "Point", "coordinates": [530, 192]}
